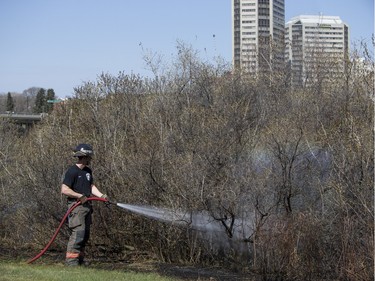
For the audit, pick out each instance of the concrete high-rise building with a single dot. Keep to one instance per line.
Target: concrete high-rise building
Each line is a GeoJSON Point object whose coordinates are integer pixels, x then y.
{"type": "Point", "coordinates": [258, 29]}
{"type": "Point", "coordinates": [316, 47]}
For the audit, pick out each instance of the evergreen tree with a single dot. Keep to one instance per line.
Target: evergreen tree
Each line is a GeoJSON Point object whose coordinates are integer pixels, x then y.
{"type": "Point", "coordinates": [10, 103]}
{"type": "Point", "coordinates": [49, 100]}
{"type": "Point", "coordinates": [40, 101]}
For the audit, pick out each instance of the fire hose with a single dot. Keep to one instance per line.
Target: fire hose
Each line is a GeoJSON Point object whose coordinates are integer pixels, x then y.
{"type": "Point", "coordinates": [61, 224]}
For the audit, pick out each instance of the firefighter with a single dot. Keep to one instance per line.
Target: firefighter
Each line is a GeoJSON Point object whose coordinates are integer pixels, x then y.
{"type": "Point", "coordinates": [78, 184]}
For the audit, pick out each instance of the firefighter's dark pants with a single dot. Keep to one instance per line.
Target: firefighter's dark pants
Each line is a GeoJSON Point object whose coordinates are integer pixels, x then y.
{"type": "Point", "coordinates": [79, 224]}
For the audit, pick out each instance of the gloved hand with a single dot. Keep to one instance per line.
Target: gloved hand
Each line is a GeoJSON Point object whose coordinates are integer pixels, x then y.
{"type": "Point", "coordinates": [83, 199]}
{"type": "Point", "coordinates": [105, 196]}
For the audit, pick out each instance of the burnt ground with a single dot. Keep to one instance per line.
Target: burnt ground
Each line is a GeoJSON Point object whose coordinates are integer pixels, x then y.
{"type": "Point", "coordinates": [188, 273]}
{"type": "Point", "coordinates": [181, 272]}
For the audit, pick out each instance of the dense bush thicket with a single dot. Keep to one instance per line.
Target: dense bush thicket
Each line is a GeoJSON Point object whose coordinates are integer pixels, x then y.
{"type": "Point", "coordinates": [288, 173]}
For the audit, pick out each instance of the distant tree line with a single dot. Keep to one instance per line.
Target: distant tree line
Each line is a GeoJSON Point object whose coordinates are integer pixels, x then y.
{"type": "Point", "coordinates": [32, 100]}
{"type": "Point", "coordinates": [286, 173]}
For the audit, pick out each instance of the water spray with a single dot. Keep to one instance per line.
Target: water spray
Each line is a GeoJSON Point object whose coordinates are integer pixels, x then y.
{"type": "Point", "coordinates": [160, 214]}
{"type": "Point", "coordinates": [221, 233]}
{"type": "Point", "coordinates": [193, 220]}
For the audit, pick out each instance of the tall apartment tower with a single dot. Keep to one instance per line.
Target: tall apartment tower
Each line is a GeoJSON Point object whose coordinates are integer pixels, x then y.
{"type": "Point", "coordinates": [258, 30]}
{"type": "Point", "coordinates": [316, 47]}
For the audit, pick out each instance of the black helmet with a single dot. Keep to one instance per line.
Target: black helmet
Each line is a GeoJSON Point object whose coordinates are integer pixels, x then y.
{"type": "Point", "coordinates": [83, 149]}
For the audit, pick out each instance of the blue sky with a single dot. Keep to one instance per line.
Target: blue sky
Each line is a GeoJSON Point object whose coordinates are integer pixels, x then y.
{"type": "Point", "coordinates": [59, 44]}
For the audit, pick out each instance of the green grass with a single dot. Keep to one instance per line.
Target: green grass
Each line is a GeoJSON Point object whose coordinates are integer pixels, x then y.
{"type": "Point", "coordinates": [20, 271]}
